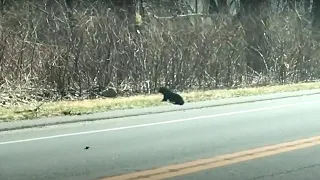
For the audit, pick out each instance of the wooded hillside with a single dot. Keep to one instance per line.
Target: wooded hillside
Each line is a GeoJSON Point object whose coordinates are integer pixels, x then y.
{"type": "Point", "coordinates": [64, 48]}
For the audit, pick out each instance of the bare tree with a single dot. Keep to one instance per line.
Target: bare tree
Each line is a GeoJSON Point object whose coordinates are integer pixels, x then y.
{"type": "Point", "coordinates": [223, 6]}
{"type": "Point", "coordinates": [316, 15]}
{"type": "Point", "coordinates": [253, 16]}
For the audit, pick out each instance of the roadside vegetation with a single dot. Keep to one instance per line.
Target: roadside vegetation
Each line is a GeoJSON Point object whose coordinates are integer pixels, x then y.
{"type": "Point", "coordinates": [79, 107]}
{"type": "Point", "coordinates": [62, 58]}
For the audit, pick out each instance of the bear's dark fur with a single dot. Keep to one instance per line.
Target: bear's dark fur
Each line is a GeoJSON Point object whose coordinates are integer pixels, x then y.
{"type": "Point", "coordinates": [174, 98]}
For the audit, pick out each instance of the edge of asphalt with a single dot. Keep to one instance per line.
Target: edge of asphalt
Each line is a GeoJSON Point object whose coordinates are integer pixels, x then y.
{"type": "Point", "coordinates": [41, 122]}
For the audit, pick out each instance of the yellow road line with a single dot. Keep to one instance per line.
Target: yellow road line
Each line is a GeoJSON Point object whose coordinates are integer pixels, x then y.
{"type": "Point", "coordinates": [218, 161]}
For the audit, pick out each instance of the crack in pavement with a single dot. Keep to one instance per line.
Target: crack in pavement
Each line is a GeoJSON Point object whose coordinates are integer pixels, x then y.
{"type": "Point", "coordinates": [286, 172]}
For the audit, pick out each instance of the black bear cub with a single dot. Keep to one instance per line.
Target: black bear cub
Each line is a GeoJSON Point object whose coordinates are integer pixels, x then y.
{"type": "Point", "coordinates": [174, 98]}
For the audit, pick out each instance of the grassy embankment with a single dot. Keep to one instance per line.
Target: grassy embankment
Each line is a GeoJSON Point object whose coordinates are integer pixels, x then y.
{"type": "Point", "coordinates": [99, 105]}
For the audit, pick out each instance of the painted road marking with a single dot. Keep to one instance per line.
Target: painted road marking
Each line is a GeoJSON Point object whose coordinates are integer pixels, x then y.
{"type": "Point", "coordinates": [157, 123]}
{"type": "Point", "coordinates": [218, 161]}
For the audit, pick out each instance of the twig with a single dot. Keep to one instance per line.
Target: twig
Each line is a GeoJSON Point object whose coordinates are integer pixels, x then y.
{"type": "Point", "coordinates": [31, 110]}
{"type": "Point", "coordinates": [185, 15]}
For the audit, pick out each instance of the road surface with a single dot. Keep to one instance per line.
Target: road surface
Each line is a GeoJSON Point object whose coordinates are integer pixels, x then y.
{"type": "Point", "coordinates": [127, 145]}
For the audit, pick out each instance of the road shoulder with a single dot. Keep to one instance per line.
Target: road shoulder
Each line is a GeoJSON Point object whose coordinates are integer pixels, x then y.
{"type": "Point", "coordinates": [6, 126]}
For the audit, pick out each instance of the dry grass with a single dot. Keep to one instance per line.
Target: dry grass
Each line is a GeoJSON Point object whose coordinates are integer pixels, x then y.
{"type": "Point", "coordinates": [100, 105]}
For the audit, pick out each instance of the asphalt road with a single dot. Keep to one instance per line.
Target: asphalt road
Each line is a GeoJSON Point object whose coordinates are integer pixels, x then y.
{"type": "Point", "coordinates": [143, 142]}
{"type": "Point", "coordinates": [296, 165]}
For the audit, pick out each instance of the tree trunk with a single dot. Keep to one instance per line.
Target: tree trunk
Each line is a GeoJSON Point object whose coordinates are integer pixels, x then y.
{"type": "Point", "coordinates": [223, 7]}
{"type": "Point", "coordinates": [213, 7]}
{"type": "Point", "coordinates": [316, 15]}
{"type": "Point", "coordinates": [252, 14]}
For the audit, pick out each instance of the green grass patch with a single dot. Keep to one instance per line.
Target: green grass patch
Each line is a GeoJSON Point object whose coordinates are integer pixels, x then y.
{"type": "Point", "coordinates": [101, 105]}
